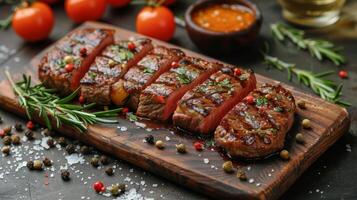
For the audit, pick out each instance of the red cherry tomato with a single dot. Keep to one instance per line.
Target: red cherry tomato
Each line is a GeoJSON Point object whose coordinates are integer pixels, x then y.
{"type": "Point", "coordinates": [98, 186]}
{"type": "Point", "coordinates": [69, 67]}
{"type": "Point", "coordinates": [50, 2]}
{"type": "Point", "coordinates": [249, 99]}
{"type": "Point", "coordinates": [84, 10]}
{"type": "Point", "coordinates": [198, 146]}
{"type": "Point", "coordinates": [157, 22]}
{"type": "Point", "coordinates": [30, 125]}
{"type": "Point", "coordinates": [118, 3]}
{"type": "Point", "coordinates": [33, 22]}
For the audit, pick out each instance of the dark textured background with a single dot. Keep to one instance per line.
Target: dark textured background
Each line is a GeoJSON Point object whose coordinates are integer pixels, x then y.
{"type": "Point", "coordinates": [333, 176]}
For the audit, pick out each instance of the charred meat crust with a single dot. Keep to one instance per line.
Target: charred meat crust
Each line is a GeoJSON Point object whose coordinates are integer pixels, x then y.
{"type": "Point", "coordinates": [257, 130]}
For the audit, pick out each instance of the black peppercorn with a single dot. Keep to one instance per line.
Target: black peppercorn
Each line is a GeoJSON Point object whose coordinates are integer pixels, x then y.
{"type": "Point", "coordinates": [117, 189]}
{"type": "Point", "coordinates": [70, 149]}
{"type": "Point", "coordinates": [50, 142]}
{"type": "Point", "coordinates": [5, 150]}
{"type": "Point", "coordinates": [18, 127]}
{"type": "Point", "coordinates": [47, 162]}
{"type": "Point", "coordinates": [85, 150]}
{"type": "Point", "coordinates": [150, 139]}
{"type": "Point", "coordinates": [29, 135]}
{"type": "Point", "coordinates": [62, 141]}
{"type": "Point", "coordinates": [7, 130]}
{"type": "Point", "coordinates": [65, 175]}
{"type": "Point", "coordinates": [6, 140]}
{"type": "Point", "coordinates": [241, 175]}
{"type": "Point", "coordinates": [94, 161]}
{"type": "Point", "coordinates": [104, 160]}
{"type": "Point", "coordinates": [29, 165]}
{"type": "Point", "coordinates": [109, 171]}
{"type": "Point", "coordinates": [15, 139]}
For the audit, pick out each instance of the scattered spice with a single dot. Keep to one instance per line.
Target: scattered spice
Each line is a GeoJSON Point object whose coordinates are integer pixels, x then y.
{"type": "Point", "coordinates": [343, 74]}
{"type": "Point", "coordinates": [109, 171]}
{"type": "Point", "coordinates": [16, 140]}
{"type": "Point", "coordinates": [7, 130]}
{"type": "Point", "coordinates": [62, 141]}
{"type": "Point", "coordinates": [18, 127]}
{"type": "Point", "coordinates": [6, 140]}
{"type": "Point", "coordinates": [83, 52]}
{"type": "Point", "coordinates": [284, 154]}
{"type": "Point", "coordinates": [117, 189]}
{"type": "Point", "coordinates": [306, 123]}
{"type": "Point", "coordinates": [111, 63]}
{"type": "Point", "coordinates": [65, 175]}
{"type": "Point", "coordinates": [70, 148]}
{"type": "Point", "coordinates": [150, 139]}
{"type": "Point", "coordinates": [94, 161]}
{"type": "Point", "coordinates": [5, 150]}
{"type": "Point", "coordinates": [2, 133]}
{"type": "Point", "coordinates": [37, 165]}
{"type": "Point", "coordinates": [228, 167]}
{"type": "Point", "coordinates": [131, 46]}
{"type": "Point", "coordinates": [50, 142]}
{"type": "Point", "coordinates": [98, 186]}
{"type": "Point", "coordinates": [30, 125]}
{"type": "Point", "coordinates": [68, 59]}
{"type": "Point", "coordinates": [241, 175]}
{"type": "Point", "coordinates": [300, 138]}
{"type": "Point", "coordinates": [104, 160]}
{"type": "Point", "coordinates": [160, 144]}
{"type": "Point", "coordinates": [237, 72]}
{"type": "Point", "coordinates": [29, 165]}
{"type": "Point", "coordinates": [47, 162]}
{"type": "Point", "coordinates": [29, 135]}
{"type": "Point", "coordinates": [84, 150]}
{"type": "Point", "coordinates": [181, 148]}
{"type": "Point", "coordinates": [301, 104]}
{"type": "Point", "coordinates": [198, 146]}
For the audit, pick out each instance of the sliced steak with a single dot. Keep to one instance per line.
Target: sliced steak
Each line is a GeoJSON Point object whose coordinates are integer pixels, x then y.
{"type": "Point", "coordinates": [108, 68]}
{"type": "Point", "coordinates": [81, 47]}
{"type": "Point", "coordinates": [156, 62]}
{"type": "Point", "coordinates": [201, 109]}
{"type": "Point", "coordinates": [255, 130]}
{"type": "Point", "coordinates": [159, 100]}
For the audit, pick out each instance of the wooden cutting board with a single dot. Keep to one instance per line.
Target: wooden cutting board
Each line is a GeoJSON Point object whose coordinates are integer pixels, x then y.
{"type": "Point", "coordinates": [268, 178]}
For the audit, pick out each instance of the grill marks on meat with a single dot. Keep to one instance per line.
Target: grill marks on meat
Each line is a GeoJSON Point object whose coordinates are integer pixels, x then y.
{"type": "Point", "coordinates": [144, 73]}
{"type": "Point", "coordinates": [201, 109]}
{"type": "Point", "coordinates": [108, 68]}
{"type": "Point", "coordinates": [159, 100]}
{"type": "Point", "coordinates": [83, 46]}
{"type": "Point", "coordinates": [257, 130]}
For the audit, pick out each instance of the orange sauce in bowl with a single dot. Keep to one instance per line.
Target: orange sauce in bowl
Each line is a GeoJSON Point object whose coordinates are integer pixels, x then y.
{"type": "Point", "coordinates": [224, 17]}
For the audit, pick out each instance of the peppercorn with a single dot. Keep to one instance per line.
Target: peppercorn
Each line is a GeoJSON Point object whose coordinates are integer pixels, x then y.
{"type": "Point", "coordinates": [109, 171]}
{"type": "Point", "coordinates": [7, 130]}
{"type": "Point", "coordinates": [150, 139]}
{"type": "Point", "coordinates": [50, 142]}
{"type": "Point", "coordinates": [65, 175]}
{"type": "Point", "coordinates": [6, 140]}
{"type": "Point", "coordinates": [160, 144]}
{"type": "Point", "coordinates": [84, 150]}
{"type": "Point", "coordinates": [306, 124]}
{"type": "Point", "coordinates": [62, 141]}
{"type": "Point", "coordinates": [228, 166]}
{"type": "Point", "coordinates": [70, 149]}
{"type": "Point", "coordinates": [117, 189]}
{"type": "Point", "coordinates": [30, 125]}
{"type": "Point", "coordinates": [47, 162]}
{"type": "Point", "coordinates": [300, 138]}
{"type": "Point", "coordinates": [301, 104]}
{"type": "Point", "coordinates": [2, 134]}
{"type": "Point", "coordinates": [29, 165]}
{"type": "Point", "coordinates": [111, 63]}
{"type": "Point", "coordinates": [37, 165]}
{"type": "Point", "coordinates": [99, 186]}
{"type": "Point", "coordinates": [343, 74]}
{"type": "Point", "coordinates": [18, 127]}
{"type": "Point", "coordinates": [5, 150]}
{"type": "Point", "coordinates": [181, 148]}
{"type": "Point", "coordinates": [198, 146]}
{"type": "Point", "coordinates": [16, 140]}
{"type": "Point", "coordinates": [241, 175]}
{"type": "Point", "coordinates": [29, 135]}
{"type": "Point", "coordinates": [94, 161]}
{"type": "Point", "coordinates": [68, 59]}
{"type": "Point", "coordinates": [83, 52]}
{"type": "Point", "coordinates": [104, 160]}
{"type": "Point", "coordinates": [284, 154]}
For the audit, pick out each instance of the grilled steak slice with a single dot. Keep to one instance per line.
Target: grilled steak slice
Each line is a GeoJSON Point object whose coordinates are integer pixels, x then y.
{"type": "Point", "coordinates": [143, 74]}
{"type": "Point", "coordinates": [81, 47]}
{"type": "Point", "coordinates": [201, 109]}
{"type": "Point", "coordinates": [108, 68]}
{"type": "Point", "coordinates": [159, 100]}
{"type": "Point", "coordinates": [258, 129]}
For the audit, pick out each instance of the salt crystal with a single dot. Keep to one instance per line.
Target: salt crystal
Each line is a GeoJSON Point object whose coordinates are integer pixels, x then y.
{"type": "Point", "coordinates": [141, 125]}
{"type": "Point", "coordinates": [123, 128]}
{"type": "Point", "coordinates": [348, 148]}
{"type": "Point", "coordinates": [251, 180]}
{"type": "Point", "coordinates": [154, 185]}
{"type": "Point", "coordinates": [74, 158]}
{"type": "Point", "coordinates": [167, 138]}
{"type": "Point", "coordinates": [205, 160]}
{"type": "Point", "coordinates": [20, 165]}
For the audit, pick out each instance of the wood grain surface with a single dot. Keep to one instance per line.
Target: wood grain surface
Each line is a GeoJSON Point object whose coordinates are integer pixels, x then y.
{"type": "Point", "coordinates": [269, 178]}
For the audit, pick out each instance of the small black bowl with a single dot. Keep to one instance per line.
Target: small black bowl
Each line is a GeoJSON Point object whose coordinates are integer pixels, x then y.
{"type": "Point", "coordinates": [220, 42]}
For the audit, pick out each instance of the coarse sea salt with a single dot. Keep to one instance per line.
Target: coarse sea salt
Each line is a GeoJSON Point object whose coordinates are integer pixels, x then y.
{"type": "Point", "coordinates": [206, 160]}
{"type": "Point", "coordinates": [74, 158]}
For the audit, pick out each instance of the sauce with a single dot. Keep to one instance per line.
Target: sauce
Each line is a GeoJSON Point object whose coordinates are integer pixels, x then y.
{"type": "Point", "coordinates": [224, 17]}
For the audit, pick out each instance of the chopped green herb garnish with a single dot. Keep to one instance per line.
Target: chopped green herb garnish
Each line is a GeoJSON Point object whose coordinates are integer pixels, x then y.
{"type": "Point", "coordinates": [210, 143]}
{"type": "Point", "coordinates": [92, 75]}
{"type": "Point", "coordinates": [225, 83]}
{"type": "Point", "coordinates": [261, 101]}
{"type": "Point", "coordinates": [243, 77]}
{"type": "Point", "coordinates": [182, 76]}
{"type": "Point", "coordinates": [278, 109]}
{"type": "Point", "coordinates": [148, 70]}
{"type": "Point", "coordinates": [60, 63]}
{"type": "Point", "coordinates": [77, 61]}
{"type": "Point", "coordinates": [132, 117]}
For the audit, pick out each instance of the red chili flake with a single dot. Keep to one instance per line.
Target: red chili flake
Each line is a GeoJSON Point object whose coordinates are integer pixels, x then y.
{"type": "Point", "coordinates": [69, 67]}
{"type": "Point", "coordinates": [198, 146]}
{"type": "Point", "coordinates": [125, 110]}
{"type": "Point", "coordinates": [2, 133]}
{"type": "Point", "coordinates": [98, 186]}
{"type": "Point", "coordinates": [343, 74]}
{"type": "Point", "coordinates": [249, 99]}
{"type": "Point", "coordinates": [131, 46]}
{"type": "Point", "coordinates": [30, 125]}
{"type": "Point", "coordinates": [237, 72]}
{"type": "Point", "coordinates": [81, 99]}
{"type": "Point", "coordinates": [83, 51]}
{"type": "Point", "coordinates": [174, 64]}
{"type": "Point", "coordinates": [160, 99]}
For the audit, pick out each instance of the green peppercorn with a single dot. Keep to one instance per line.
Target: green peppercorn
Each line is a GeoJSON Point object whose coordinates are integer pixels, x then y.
{"type": "Point", "coordinates": [117, 189]}
{"type": "Point", "coordinates": [109, 171]}
{"type": "Point", "coordinates": [301, 104]}
{"type": "Point", "coordinates": [284, 154]}
{"type": "Point", "coordinates": [62, 141]}
{"type": "Point", "coordinates": [6, 140]}
{"type": "Point", "coordinates": [65, 175]}
{"type": "Point", "coordinates": [29, 165]}
{"type": "Point", "coordinates": [111, 63]}
{"type": "Point", "coordinates": [306, 123]}
{"type": "Point", "coordinates": [70, 149]}
{"type": "Point", "coordinates": [160, 144]}
{"type": "Point", "coordinates": [29, 135]}
{"type": "Point", "coordinates": [228, 167]}
{"type": "Point", "coordinates": [7, 130]}
{"type": "Point", "coordinates": [150, 139]}
{"type": "Point", "coordinates": [50, 142]}
{"type": "Point", "coordinates": [85, 150]}
{"type": "Point", "coordinates": [5, 150]}
{"type": "Point", "coordinates": [37, 165]}
{"type": "Point", "coordinates": [68, 59]}
{"type": "Point", "coordinates": [47, 162]}
{"type": "Point", "coordinates": [300, 138]}
{"type": "Point", "coordinates": [18, 127]}
{"type": "Point", "coordinates": [104, 160]}
{"type": "Point", "coordinates": [241, 175]}
{"type": "Point", "coordinates": [16, 140]}
{"type": "Point", "coordinates": [181, 148]}
{"type": "Point", "coordinates": [94, 161]}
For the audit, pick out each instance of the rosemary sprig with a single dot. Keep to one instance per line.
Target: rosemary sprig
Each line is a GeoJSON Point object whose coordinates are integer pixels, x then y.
{"type": "Point", "coordinates": [327, 89]}
{"type": "Point", "coordinates": [319, 49]}
{"type": "Point", "coordinates": [46, 102]}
